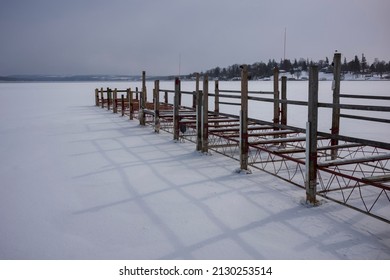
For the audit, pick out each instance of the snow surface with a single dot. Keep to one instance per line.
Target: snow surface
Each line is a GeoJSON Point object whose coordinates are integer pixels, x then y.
{"type": "Point", "coordinates": [79, 182]}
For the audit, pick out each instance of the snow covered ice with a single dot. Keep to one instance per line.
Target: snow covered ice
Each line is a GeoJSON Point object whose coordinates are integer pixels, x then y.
{"type": "Point", "coordinates": [79, 182]}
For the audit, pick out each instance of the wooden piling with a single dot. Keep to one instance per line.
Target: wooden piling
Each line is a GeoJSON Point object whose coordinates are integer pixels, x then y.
{"type": "Point", "coordinates": [244, 147]}
{"type": "Point", "coordinates": [123, 105]}
{"type": "Point", "coordinates": [102, 96]}
{"type": "Point", "coordinates": [108, 98]}
{"type": "Point", "coordinates": [336, 102]}
{"type": "Point", "coordinates": [216, 98]}
{"type": "Point", "coordinates": [166, 97]}
{"type": "Point", "coordinates": [205, 115]}
{"type": "Point", "coordinates": [283, 111]}
{"type": "Point", "coordinates": [176, 117]}
{"type": "Point", "coordinates": [96, 97]}
{"type": "Point", "coordinates": [194, 97]}
{"type": "Point", "coordinates": [144, 93]}
{"type": "Point", "coordinates": [157, 106]}
{"type": "Point", "coordinates": [276, 98]}
{"type": "Point", "coordinates": [142, 106]}
{"type": "Point", "coordinates": [311, 137]}
{"type": "Point", "coordinates": [199, 102]}
{"type": "Point", "coordinates": [131, 104]}
{"type": "Point", "coordinates": [115, 104]}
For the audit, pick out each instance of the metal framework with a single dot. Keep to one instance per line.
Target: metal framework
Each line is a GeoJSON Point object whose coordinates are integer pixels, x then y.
{"type": "Point", "coordinates": [351, 171]}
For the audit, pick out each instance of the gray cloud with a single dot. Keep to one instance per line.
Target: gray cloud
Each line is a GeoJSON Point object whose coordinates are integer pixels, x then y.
{"type": "Point", "coordinates": [126, 37]}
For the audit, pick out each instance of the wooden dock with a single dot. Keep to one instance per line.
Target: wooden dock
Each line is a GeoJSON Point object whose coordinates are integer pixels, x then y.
{"type": "Point", "coordinates": [352, 171]}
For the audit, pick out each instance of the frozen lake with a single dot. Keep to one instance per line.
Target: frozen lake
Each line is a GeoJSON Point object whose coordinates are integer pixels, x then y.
{"type": "Point", "coordinates": [79, 182]}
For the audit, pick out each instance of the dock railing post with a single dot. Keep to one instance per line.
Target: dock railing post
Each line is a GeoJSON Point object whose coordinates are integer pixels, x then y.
{"type": "Point", "coordinates": [311, 137]}
{"type": "Point", "coordinates": [131, 104]}
{"type": "Point", "coordinates": [283, 111]}
{"type": "Point", "coordinates": [216, 98]}
{"type": "Point", "coordinates": [176, 116]}
{"type": "Point", "coordinates": [335, 130]}
{"type": "Point", "coordinates": [283, 106]}
{"type": "Point", "coordinates": [115, 103]}
{"type": "Point", "coordinates": [144, 93]}
{"type": "Point", "coordinates": [122, 105]}
{"type": "Point", "coordinates": [157, 106]}
{"type": "Point", "coordinates": [205, 115]}
{"type": "Point", "coordinates": [108, 98]}
{"type": "Point", "coordinates": [276, 99]}
{"type": "Point", "coordinates": [199, 102]}
{"type": "Point", "coordinates": [142, 105]}
{"type": "Point", "coordinates": [96, 97]}
{"type": "Point", "coordinates": [194, 97]}
{"type": "Point", "coordinates": [102, 96]}
{"type": "Point", "coordinates": [244, 147]}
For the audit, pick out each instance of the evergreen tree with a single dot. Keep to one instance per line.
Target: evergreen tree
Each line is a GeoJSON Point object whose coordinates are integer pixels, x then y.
{"type": "Point", "coordinates": [364, 63]}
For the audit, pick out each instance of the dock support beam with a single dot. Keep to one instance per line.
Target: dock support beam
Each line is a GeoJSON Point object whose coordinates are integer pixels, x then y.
{"type": "Point", "coordinates": [244, 147]}
{"type": "Point", "coordinates": [194, 97]}
{"type": "Point", "coordinates": [115, 103]}
{"type": "Point", "coordinates": [276, 98]}
{"type": "Point", "coordinates": [205, 115]}
{"type": "Point", "coordinates": [102, 96]}
{"type": "Point", "coordinates": [131, 105]}
{"type": "Point", "coordinates": [157, 106]}
{"type": "Point", "coordinates": [96, 97]}
{"type": "Point", "coordinates": [335, 130]}
{"type": "Point", "coordinates": [176, 117]}
{"type": "Point", "coordinates": [108, 99]}
{"type": "Point", "coordinates": [311, 137]}
{"type": "Point", "coordinates": [216, 98]}
{"type": "Point", "coordinates": [199, 101]}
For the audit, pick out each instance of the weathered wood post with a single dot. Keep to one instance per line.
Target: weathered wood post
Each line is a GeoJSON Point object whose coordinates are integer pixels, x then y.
{"type": "Point", "coordinates": [244, 147]}
{"type": "Point", "coordinates": [311, 137]}
{"type": "Point", "coordinates": [194, 97]}
{"type": "Point", "coordinates": [276, 99]}
{"type": "Point", "coordinates": [283, 110]}
{"type": "Point", "coordinates": [122, 105]}
{"type": "Point", "coordinates": [144, 93]}
{"type": "Point", "coordinates": [166, 97]}
{"type": "Point", "coordinates": [336, 102]}
{"type": "Point", "coordinates": [176, 117]}
{"type": "Point", "coordinates": [205, 115]}
{"type": "Point", "coordinates": [157, 106]}
{"type": "Point", "coordinates": [216, 98]}
{"type": "Point", "coordinates": [102, 96]}
{"type": "Point", "coordinates": [136, 94]}
{"type": "Point", "coordinates": [199, 102]}
{"type": "Point", "coordinates": [131, 103]}
{"type": "Point", "coordinates": [142, 103]}
{"type": "Point", "coordinates": [96, 97]}
{"type": "Point", "coordinates": [115, 104]}
{"type": "Point", "coordinates": [108, 98]}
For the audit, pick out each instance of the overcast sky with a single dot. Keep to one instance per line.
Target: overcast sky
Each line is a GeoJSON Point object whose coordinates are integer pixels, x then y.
{"type": "Point", "coordinates": [63, 37]}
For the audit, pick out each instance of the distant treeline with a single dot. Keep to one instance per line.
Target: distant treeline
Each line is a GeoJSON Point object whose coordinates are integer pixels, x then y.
{"type": "Point", "coordinates": [260, 70]}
